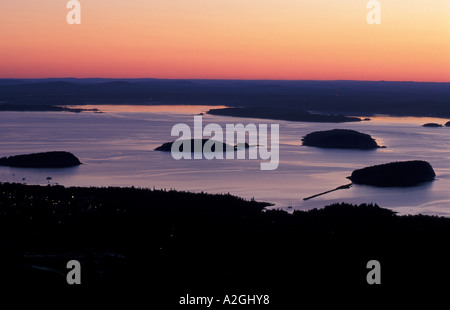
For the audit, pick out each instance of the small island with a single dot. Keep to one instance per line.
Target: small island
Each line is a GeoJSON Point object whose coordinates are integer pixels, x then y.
{"type": "Point", "coordinates": [396, 174]}
{"type": "Point", "coordinates": [447, 124]}
{"type": "Point", "coordinates": [341, 139]}
{"type": "Point", "coordinates": [431, 125]}
{"type": "Point", "coordinates": [41, 160]}
{"type": "Point", "coordinates": [42, 108]}
{"type": "Point", "coordinates": [167, 147]}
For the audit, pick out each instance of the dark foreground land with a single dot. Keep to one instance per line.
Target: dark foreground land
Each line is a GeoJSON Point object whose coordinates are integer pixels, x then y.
{"type": "Point", "coordinates": [166, 244]}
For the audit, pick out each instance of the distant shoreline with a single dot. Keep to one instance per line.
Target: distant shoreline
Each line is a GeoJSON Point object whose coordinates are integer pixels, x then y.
{"type": "Point", "coordinates": [363, 98]}
{"type": "Point", "coordinates": [41, 108]}
{"type": "Point", "coordinates": [263, 113]}
{"type": "Point", "coordinates": [284, 115]}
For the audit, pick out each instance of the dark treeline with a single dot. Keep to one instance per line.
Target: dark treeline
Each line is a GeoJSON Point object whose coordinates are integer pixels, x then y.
{"type": "Point", "coordinates": [42, 108]}
{"type": "Point", "coordinates": [169, 243]}
{"type": "Point", "coordinates": [287, 114]}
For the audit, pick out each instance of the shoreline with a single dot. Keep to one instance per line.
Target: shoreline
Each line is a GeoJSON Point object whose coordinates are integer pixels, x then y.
{"type": "Point", "coordinates": [42, 108]}
{"type": "Point", "coordinates": [328, 97]}
{"type": "Point", "coordinates": [230, 111]}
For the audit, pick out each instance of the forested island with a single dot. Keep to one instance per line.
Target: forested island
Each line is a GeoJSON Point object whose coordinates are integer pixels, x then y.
{"type": "Point", "coordinates": [56, 159]}
{"type": "Point", "coordinates": [340, 139]}
{"type": "Point", "coordinates": [167, 147]}
{"type": "Point", "coordinates": [432, 125]}
{"type": "Point", "coordinates": [404, 173]}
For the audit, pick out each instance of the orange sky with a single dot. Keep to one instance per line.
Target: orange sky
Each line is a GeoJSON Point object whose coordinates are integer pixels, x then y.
{"type": "Point", "coordinates": [242, 39]}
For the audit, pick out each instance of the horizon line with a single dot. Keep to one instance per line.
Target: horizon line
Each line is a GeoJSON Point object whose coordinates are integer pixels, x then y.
{"type": "Point", "coordinates": [219, 79]}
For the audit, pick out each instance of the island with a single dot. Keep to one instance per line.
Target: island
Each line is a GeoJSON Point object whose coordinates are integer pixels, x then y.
{"type": "Point", "coordinates": [167, 147]}
{"type": "Point", "coordinates": [395, 174]}
{"type": "Point", "coordinates": [286, 114]}
{"type": "Point", "coordinates": [41, 160]}
{"type": "Point", "coordinates": [43, 108]}
{"type": "Point", "coordinates": [447, 124]}
{"type": "Point", "coordinates": [341, 139]}
{"type": "Point", "coordinates": [431, 125]}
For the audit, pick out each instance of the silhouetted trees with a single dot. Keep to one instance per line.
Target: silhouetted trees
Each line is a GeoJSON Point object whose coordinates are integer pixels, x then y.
{"type": "Point", "coordinates": [42, 160]}
{"type": "Point", "coordinates": [341, 139]}
{"type": "Point", "coordinates": [404, 173]}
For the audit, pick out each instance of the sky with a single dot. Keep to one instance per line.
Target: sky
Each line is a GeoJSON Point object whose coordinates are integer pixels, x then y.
{"type": "Point", "coordinates": [227, 39]}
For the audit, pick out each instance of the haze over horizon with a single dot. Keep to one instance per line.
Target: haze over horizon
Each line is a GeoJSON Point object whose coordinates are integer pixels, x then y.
{"type": "Point", "coordinates": [227, 39]}
{"type": "Point", "coordinates": [113, 78]}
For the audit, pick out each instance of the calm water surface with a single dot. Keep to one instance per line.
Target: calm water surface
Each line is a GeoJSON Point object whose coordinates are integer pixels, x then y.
{"type": "Point", "coordinates": [117, 146]}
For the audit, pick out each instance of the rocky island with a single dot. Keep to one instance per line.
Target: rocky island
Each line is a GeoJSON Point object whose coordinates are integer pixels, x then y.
{"type": "Point", "coordinates": [41, 160]}
{"type": "Point", "coordinates": [167, 147]}
{"type": "Point", "coordinates": [406, 173]}
{"type": "Point", "coordinates": [431, 125]}
{"type": "Point", "coordinates": [341, 139]}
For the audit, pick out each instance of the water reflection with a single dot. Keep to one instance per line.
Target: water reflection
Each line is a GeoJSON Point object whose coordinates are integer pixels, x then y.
{"type": "Point", "coordinates": [117, 149]}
